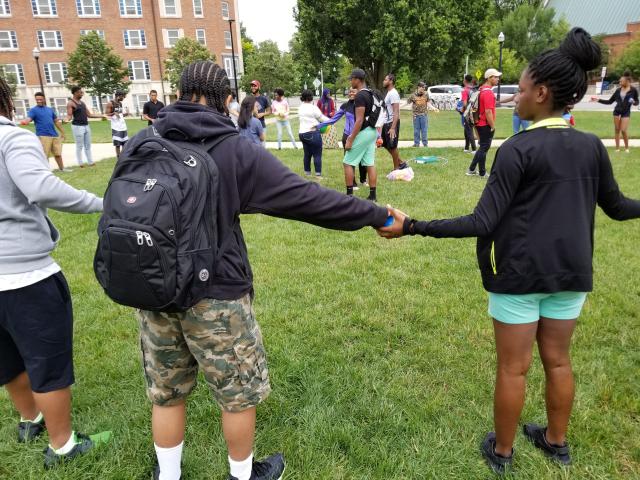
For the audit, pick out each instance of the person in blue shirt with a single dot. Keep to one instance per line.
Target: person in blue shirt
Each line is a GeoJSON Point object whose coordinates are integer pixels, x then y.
{"type": "Point", "coordinates": [248, 125]}
{"type": "Point", "coordinates": [46, 121]}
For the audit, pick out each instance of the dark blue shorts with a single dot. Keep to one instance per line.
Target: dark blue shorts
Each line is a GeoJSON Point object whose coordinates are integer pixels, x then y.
{"type": "Point", "coordinates": [622, 115]}
{"type": "Point", "coordinates": [36, 334]}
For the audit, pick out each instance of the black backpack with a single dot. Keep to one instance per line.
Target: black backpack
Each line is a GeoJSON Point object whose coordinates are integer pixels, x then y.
{"type": "Point", "coordinates": [374, 118]}
{"type": "Point", "coordinates": [157, 237]}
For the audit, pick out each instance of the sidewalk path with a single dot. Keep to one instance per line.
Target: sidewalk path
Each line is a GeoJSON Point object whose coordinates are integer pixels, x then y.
{"type": "Point", "coordinates": [103, 151]}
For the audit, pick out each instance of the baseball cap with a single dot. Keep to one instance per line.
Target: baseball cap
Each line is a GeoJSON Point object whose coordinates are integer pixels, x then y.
{"type": "Point", "coordinates": [492, 72]}
{"type": "Point", "coordinates": [256, 83]}
{"type": "Point", "coordinates": [357, 73]}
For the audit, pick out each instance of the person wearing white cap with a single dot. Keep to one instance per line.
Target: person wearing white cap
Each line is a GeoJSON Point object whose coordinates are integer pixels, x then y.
{"type": "Point", "coordinates": [486, 125]}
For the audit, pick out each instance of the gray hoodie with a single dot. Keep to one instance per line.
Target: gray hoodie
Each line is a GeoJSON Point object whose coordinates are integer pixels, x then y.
{"type": "Point", "coordinates": [27, 189]}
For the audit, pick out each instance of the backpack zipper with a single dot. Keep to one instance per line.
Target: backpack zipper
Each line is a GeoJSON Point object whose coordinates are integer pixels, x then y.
{"type": "Point", "coordinates": [493, 258]}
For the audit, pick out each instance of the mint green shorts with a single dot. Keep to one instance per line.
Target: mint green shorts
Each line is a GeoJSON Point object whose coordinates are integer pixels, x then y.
{"type": "Point", "coordinates": [528, 308]}
{"type": "Point", "coordinates": [363, 150]}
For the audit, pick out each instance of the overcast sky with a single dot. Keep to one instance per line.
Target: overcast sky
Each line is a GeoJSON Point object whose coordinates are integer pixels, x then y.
{"type": "Point", "coordinates": [268, 20]}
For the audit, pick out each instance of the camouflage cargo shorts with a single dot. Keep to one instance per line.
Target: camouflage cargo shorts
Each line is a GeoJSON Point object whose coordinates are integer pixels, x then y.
{"type": "Point", "coordinates": [221, 337]}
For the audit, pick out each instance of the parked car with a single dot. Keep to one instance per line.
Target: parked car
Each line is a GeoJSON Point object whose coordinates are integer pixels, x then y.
{"type": "Point", "coordinates": [437, 92]}
{"type": "Point", "coordinates": [505, 90]}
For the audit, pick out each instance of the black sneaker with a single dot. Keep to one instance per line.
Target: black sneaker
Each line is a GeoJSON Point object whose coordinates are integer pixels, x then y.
{"type": "Point", "coordinates": [84, 444]}
{"type": "Point", "coordinates": [156, 473]}
{"type": "Point", "coordinates": [28, 431]}
{"type": "Point", "coordinates": [537, 435]}
{"type": "Point", "coordinates": [372, 199]}
{"type": "Point", "coordinates": [402, 166]}
{"type": "Point", "coordinates": [497, 463]}
{"type": "Point", "coordinates": [271, 468]}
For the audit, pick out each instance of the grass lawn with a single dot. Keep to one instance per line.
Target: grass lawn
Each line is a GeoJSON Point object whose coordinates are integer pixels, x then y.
{"type": "Point", "coordinates": [446, 125]}
{"type": "Point", "coordinates": [442, 126]}
{"type": "Point", "coordinates": [381, 353]}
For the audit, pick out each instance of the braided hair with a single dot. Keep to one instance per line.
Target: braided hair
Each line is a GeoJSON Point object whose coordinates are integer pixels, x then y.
{"type": "Point", "coordinates": [6, 103]}
{"type": "Point", "coordinates": [564, 69]}
{"type": "Point", "coordinates": [206, 79]}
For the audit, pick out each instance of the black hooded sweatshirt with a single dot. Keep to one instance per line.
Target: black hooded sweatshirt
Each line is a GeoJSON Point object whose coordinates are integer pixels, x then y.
{"type": "Point", "coordinates": [254, 181]}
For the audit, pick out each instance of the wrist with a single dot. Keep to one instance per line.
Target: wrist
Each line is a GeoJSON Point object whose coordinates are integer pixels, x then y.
{"type": "Point", "coordinates": [408, 227]}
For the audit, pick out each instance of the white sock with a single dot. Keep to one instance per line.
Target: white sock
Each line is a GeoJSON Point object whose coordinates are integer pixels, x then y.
{"type": "Point", "coordinates": [241, 470]}
{"type": "Point", "coordinates": [169, 460]}
{"type": "Point", "coordinates": [67, 447]}
{"type": "Point", "coordinates": [38, 419]}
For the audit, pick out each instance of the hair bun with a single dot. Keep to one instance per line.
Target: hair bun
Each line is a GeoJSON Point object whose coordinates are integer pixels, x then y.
{"type": "Point", "coordinates": [579, 46]}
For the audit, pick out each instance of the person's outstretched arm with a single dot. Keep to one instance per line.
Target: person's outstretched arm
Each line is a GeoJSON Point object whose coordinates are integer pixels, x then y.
{"type": "Point", "coordinates": [611, 99]}
{"type": "Point", "coordinates": [29, 170]}
{"type": "Point", "coordinates": [612, 201]}
{"type": "Point", "coordinates": [337, 116]}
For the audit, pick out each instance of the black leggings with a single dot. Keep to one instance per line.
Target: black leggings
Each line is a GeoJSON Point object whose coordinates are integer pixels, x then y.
{"type": "Point", "coordinates": [480, 158]}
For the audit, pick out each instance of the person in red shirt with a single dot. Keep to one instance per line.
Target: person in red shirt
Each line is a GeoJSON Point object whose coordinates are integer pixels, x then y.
{"type": "Point", "coordinates": [486, 126]}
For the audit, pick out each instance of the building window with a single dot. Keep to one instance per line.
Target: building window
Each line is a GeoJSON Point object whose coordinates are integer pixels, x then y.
{"type": "Point", "coordinates": [197, 8]}
{"type": "Point", "coordinates": [170, 8]}
{"type": "Point", "coordinates": [14, 69]}
{"type": "Point", "coordinates": [5, 8]}
{"type": "Point", "coordinates": [88, 8]}
{"type": "Point", "coordinates": [171, 36]}
{"type": "Point", "coordinates": [22, 108]}
{"type": "Point", "coordinates": [225, 10]}
{"type": "Point", "coordinates": [200, 36]}
{"type": "Point", "coordinates": [8, 40]}
{"type": "Point", "coordinates": [99, 32]}
{"type": "Point", "coordinates": [228, 66]}
{"type": "Point", "coordinates": [95, 104]}
{"type": "Point", "coordinates": [138, 102]}
{"type": "Point", "coordinates": [44, 8]}
{"type": "Point", "coordinates": [59, 105]}
{"type": "Point", "coordinates": [55, 72]}
{"type": "Point", "coordinates": [130, 8]}
{"type": "Point", "coordinates": [134, 39]}
{"type": "Point", "coordinates": [139, 70]}
{"type": "Point", "coordinates": [227, 39]}
{"type": "Point", "coordinates": [50, 39]}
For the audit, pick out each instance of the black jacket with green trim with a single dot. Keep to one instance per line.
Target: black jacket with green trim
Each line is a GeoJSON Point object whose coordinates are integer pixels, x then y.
{"type": "Point", "coordinates": [535, 218]}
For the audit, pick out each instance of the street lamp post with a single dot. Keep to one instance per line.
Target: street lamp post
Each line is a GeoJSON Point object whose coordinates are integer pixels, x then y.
{"type": "Point", "coordinates": [233, 58]}
{"type": "Point", "coordinates": [501, 42]}
{"type": "Point", "coordinates": [36, 55]}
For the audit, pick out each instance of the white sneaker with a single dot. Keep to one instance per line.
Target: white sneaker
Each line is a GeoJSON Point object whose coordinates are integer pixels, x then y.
{"type": "Point", "coordinates": [470, 173]}
{"type": "Point", "coordinates": [356, 188]}
{"type": "Point", "coordinates": [465, 151]}
{"type": "Point", "coordinates": [627, 151]}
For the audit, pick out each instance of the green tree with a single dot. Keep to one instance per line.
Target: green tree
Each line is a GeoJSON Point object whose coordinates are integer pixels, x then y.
{"type": "Point", "coordinates": [604, 48]}
{"type": "Point", "coordinates": [184, 52]}
{"type": "Point", "coordinates": [248, 47]}
{"type": "Point", "coordinates": [10, 78]}
{"type": "Point", "coordinates": [629, 59]}
{"type": "Point", "coordinates": [381, 36]}
{"type": "Point", "coordinates": [95, 67]}
{"type": "Point", "coordinates": [512, 65]}
{"type": "Point", "coordinates": [271, 67]}
{"type": "Point", "coordinates": [504, 7]}
{"type": "Point", "coordinates": [530, 30]}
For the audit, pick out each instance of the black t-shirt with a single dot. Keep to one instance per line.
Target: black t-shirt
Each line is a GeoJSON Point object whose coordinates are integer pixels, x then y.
{"type": "Point", "coordinates": [263, 104]}
{"type": "Point", "coordinates": [151, 109]}
{"type": "Point", "coordinates": [80, 115]}
{"type": "Point", "coordinates": [364, 99]}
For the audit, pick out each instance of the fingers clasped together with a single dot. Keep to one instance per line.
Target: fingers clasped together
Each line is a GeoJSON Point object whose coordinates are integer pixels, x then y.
{"type": "Point", "coordinates": [395, 230]}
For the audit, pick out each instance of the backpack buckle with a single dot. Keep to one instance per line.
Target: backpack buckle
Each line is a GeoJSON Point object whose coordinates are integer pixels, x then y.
{"type": "Point", "coordinates": [190, 162]}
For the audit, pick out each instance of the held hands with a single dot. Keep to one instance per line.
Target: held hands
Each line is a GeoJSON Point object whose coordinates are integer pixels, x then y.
{"type": "Point", "coordinates": [593, 99]}
{"type": "Point", "coordinates": [395, 230]}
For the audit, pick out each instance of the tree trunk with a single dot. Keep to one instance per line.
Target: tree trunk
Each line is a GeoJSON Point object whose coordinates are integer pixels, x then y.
{"type": "Point", "coordinates": [376, 74]}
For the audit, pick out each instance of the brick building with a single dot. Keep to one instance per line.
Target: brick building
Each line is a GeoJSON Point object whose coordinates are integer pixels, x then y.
{"type": "Point", "coordinates": [139, 31]}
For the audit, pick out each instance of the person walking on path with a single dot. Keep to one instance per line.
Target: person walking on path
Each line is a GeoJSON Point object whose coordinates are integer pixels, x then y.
{"type": "Point", "coordinates": [79, 114]}
{"type": "Point", "coordinates": [115, 111]}
{"type": "Point", "coordinates": [535, 228]}
{"type": "Point", "coordinates": [391, 128]}
{"type": "Point", "coordinates": [280, 108]}
{"type": "Point", "coordinates": [220, 334]}
{"type": "Point", "coordinates": [36, 319]}
{"type": "Point", "coordinates": [151, 108]}
{"type": "Point", "coordinates": [486, 125]}
{"type": "Point", "coordinates": [309, 116]}
{"type": "Point", "coordinates": [347, 110]}
{"type": "Point", "coordinates": [46, 121]}
{"type": "Point", "coordinates": [469, 137]}
{"type": "Point", "coordinates": [248, 125]}
{"type": "Point", "coordinates": [360, 145]}
{"type": "Point", "coordinates": [419, 102]}
{"type": "Point", "coordinates": [264, 105]}
{"type": "Point", "coordinates": [624, 97]}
